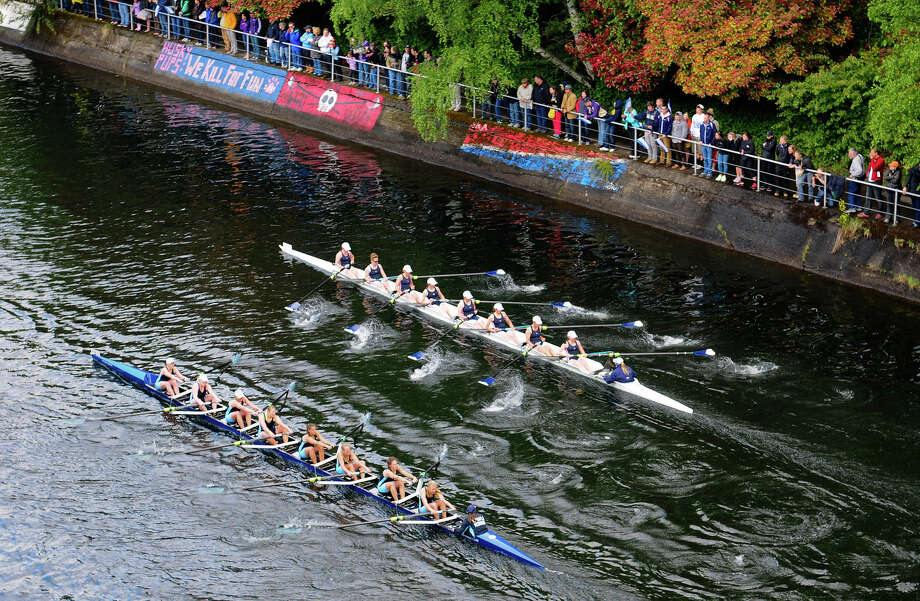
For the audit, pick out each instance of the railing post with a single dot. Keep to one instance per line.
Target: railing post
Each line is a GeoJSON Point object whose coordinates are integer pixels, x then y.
{"type": "Point", "coordinates": [579, 129]}
{"type": "Point", "coordinates": [168, 27]}
{"type": "Point", "coordinates": [635, 143]}
{"type": "Point", "coordinates": [825, 188]}
{"type": "Point", "coordinates": [207, 34]}
{"type": "Point", "coordinates": [894, 217]}
{"type": "Point", "coordinates": [694, 160]}
{"type": "Point", "coordinates": [130, 18]}
{"type": "Point", "coordinates": [377, 78]}
{"type": "Point", "coordinates": [474, 107]}
{"type": "Point", "coordinates": [759, 184]}
{"type": "Point", "coordinates": [331, 67]}
{"type": "Point", "coordinates": [96, 9]}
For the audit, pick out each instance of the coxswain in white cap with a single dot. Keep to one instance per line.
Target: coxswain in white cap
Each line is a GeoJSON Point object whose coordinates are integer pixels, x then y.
{"type": "Point", "coordinates": [202, 393]}
{"type": "Point", "coordinates": [621, 372]}
{"type": "Point", "coordinates": [574, 352]}
{"type": "Point", "coordinates": [240, 410]}
{"type": "Point", "coordinates": [169, 379]}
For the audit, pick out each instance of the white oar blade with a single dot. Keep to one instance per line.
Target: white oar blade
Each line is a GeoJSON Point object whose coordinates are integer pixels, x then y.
{"type": "Point", "coordinates": [705, 353]}
{"type": "Point", "coordinates": [417, 356]}
{"type": "Point", "coordinates": [633, 324]}
{"type": "Point", "coordinates": [497, 273]}
{"type": "Point", "coordinates": [294, 307]}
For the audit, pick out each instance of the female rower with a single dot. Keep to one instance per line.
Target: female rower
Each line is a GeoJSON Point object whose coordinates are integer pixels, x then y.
{"type": "Point", "coordinates": [533, 338]}
{"type": "Point", "coordinates": [270, 426]}
{"type": "Point", "coordinates": [313, 446]}
{"type": "Point", "coordinates": [374, 274]}
{"type": "Point", "coordinates": [405, 286]}
{"type": "Point", "coordinates": [500, 324]}
{"type": "Point", "coordinates": [392, 482]}
{"type": "Point", "coordinates": [466, 310]}
{"type": "Point", "coordinates": [348, 464]}
{"type": "Point", "coordinates": [572, 349]}
{"type": "Point", "coordinates": [431, 500]}
{"type": "Point", "coordinates": [202, 393]}
{"type": "Point", "coordinates": [240, 410]}
{"type": "Point", "coordinates": [432, 296]}
{"type": "Point", "coordinates": [621, 373]}
{"type": "Point", "coordinates": [344, 263]}
{"type": "Point", "coordinates": [169, 378]}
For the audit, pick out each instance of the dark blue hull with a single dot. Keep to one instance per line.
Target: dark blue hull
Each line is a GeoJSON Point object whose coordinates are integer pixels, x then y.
{"type": "Point", "coordinates": [144, 380]}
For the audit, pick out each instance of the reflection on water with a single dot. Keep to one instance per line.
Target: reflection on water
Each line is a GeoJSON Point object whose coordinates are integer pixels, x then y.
{"type": "Point", "coordinates": [142, 225]}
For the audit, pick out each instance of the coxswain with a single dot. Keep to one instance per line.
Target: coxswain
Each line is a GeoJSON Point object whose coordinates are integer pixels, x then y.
{"type": "Point", "coordinates": [202, 393]}
{"type": "Point", "coordinates": [270, 426]}
{"type": "Point", "coordinates": [466, 310]}
{"type": "Point", "coordinates": [240, 410]}
{"type": "Point", "coordinates": [314, 445]}
{"type": "Point", "coordinates": [374, 274]}
{"type": "Point", "coordinates": [431, 500]}
{"type": "Point", "coordinates": [473, 525]}
{"type": "Point", "coordinates": [348, 464]}
{"type": "Point", "coordinates": [533, 338]}
{"type": "Point", "coordinates": [394, 480]}
{"type": "Point", "coordinates": [621, 372]}
{"type": "Point", "coordinates": [169, 378]}
{"type": "Point", "coordinates": [501, 325]}
{"type": "Point", "coordinates": [405, 286]}
{"type": "Point", "coordinates": [433, 297]}
{"type": "Point", "coordinates": [574, 352]}
{"type": "Point", "coordinates": [344, 262]}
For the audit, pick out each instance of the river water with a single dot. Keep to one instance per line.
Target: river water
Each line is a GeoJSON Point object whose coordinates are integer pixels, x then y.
{"type": "Point", "coordinates": [140, 224]}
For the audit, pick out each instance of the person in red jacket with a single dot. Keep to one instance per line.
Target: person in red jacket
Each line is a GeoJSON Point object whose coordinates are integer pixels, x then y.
{"type": "Point", "coordinates": [874, 176]}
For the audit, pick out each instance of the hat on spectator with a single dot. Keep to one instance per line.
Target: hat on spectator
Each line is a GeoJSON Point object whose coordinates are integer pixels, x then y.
{"type": "Point", "coordinates": [700, 106]}
{"type": "Point", "coordinates": [568, 86]}
{"type": "Point", "coordinates": [894, 165]}
{"type": "Point", "coordinates": [769, 133]}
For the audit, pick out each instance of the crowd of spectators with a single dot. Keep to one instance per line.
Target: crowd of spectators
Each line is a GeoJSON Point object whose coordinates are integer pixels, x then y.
{"type": "Point", "coordinates": [681, 141]}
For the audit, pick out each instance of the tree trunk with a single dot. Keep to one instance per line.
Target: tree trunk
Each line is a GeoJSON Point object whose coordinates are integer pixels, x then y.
{"type": "Point", "coordinates": [575, 22]}
{"type": "Point", "coordinates": [556, 61]}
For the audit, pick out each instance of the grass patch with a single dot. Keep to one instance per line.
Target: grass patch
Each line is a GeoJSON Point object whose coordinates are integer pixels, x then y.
{"type": "Point", "coordinates": [909, 281]}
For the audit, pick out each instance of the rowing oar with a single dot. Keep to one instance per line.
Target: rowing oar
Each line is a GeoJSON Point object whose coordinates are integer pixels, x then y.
{"type": "Point", "coordinates": [232, 361]}
{"type": "Point", "coordinates": [504, 302]}
{"type": "Point", "coordinates": [454, 325]}
{"type": "Point", "coordinates": [296, 304]}
{"type": "Point", "coordinates": [284, 396]}
{"type": "Point", "coordinates": [702, 353]}
{"type": "Point", "coordinates": [494, 273]}
{"type": "Point", "coordinates": [147, 412]}
{"type": "Point", "coordinates": [625, 324]}
{"type": "Point", "coordinates": [490, 381]}
{"type": "Point", "coordinates": [394, 519]}
{"type": "Point", "coordinates": [399, 296]}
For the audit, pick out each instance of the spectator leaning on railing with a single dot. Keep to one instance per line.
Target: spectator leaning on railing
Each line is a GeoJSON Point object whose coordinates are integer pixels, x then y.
{"type": "Point", "coordinates": [767, 151]}
{"type": "Point", "coordinates": [569, 102]}
{"type": "Point", "coordinates": [874, 192]}
{"type": "Point", "coordinates": [857, 173]}
{"type": "Point", "coordinates": [663, 126]}
{"type": "Point", "coordinates": [648, 137]}
{"type": "Point", "coordinates": [893, 183]}
{"type": "Point", "coordinates": [680, 131]}
{"type": "Point", "coordinates": [540, 97]}
{"type": "Point", "coordinates": [707, 137]}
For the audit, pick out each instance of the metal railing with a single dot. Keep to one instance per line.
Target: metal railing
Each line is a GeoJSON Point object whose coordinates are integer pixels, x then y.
{"type": "Point", "coordinates": [815, 185]}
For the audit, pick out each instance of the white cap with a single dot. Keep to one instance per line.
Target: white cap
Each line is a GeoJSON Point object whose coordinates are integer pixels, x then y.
{"type": "Point", "coordinates": [537, 320]}
{"type": "Point", "coordinates": [432, 282]}
{"type": "Point", "coordinates": [467, 294]}
{"type": "Point", "coordinates": [346, 246]}
{"type": "Point", "coordinates": [407, 268]}
{"type": "Point", "coordinates": [202, 378]}
{"type": "Point", "coordinates": [498, 307]}
{"type": "Point", "coordinates": [239, 393]}
{"type": "Point", "coordinates": [571, 334]}
{"type": "Point", "coordinates": [617, 361]}
{"type": "Point", "coordinates": [170, 361]}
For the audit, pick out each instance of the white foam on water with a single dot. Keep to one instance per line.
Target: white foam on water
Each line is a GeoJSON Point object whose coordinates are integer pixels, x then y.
{"type": "Point", "coordinates": [582, 311]}
{"type": "Point", "coordinates": [369, 332]}
{"type": "Point", "coordinates": [664, 340]}
{"type": "Point", "coordinates": [506, 282]}
{"type": "Point", "coordinates": [510, 396]}
{"type": "Point", "coordinates": [433, 360]}
{"type": "Point", "coordinates": [313, 311]}
{"type": "Point", "coordinates": [753, 368]}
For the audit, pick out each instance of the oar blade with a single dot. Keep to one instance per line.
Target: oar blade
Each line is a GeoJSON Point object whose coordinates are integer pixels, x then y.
{"type": "Point", "coordinates": [294, 307]}
{"type": "Point", "coordinates": [236, 358]}
{"type": "Point", "coordinates": [497, 273]}
{"type": "Point", "coordinates": [705, 353]}
{"type": "Point", "coordinates": [565, 304]}
{"type": "Point", "coordinates": [417, 356]}
{"type": "Point", "coordinates": [488, 382]}
{"type": "Point", "coordinates": [353, 330]}
{"type": "Point", "coordinates": [633, 324]}
{"type": "Point", "coordinates": [292, 386]}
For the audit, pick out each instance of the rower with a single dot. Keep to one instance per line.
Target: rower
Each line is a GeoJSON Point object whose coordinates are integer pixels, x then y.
{"type": "Point", "coordinates": [533, 337]}
{"type": "Point", "coordinates": [374, 274]}
{"type": "Point", "coordinates": [240, 410]}
{"type": "Point", "coordinates": [572, 349]}
{"type": "Point", "coordinates": [621, 372]}
{"type": "Point", "coordinates": [473, 524]}
{"type": "Point", "coordinates": [169, 378]}
{"type": "Point", "coordinates": [313, 445]}
{"type": "Point", "coordinates": [466, 310]}
{"type": "Point", "coordinates": [348, 464]}
{"type": "Point", "coordinates": [405, 286]}
{"type": "Point", "coordinates": [431, 500]}
{"type": "Point", "coordinates": [344, 260]}
{"type": "Point", "coordinates": [500, 324]}
{"type": "Point", "coordinates": [270, 426]}
{"type": "Point", "coordinates": [202, 393]}
{"type": "Point", "coordinates": [432, 296]}
{"type": "Point", "coordinates": [394, 483]}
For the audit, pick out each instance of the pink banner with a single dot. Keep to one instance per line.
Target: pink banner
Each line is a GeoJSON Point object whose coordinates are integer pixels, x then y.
{"type": "Point", "coordinates": [356, 108]}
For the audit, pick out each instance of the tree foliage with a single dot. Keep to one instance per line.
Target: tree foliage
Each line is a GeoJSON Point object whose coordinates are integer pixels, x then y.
{"type": "Point", "coordinates": [723, 48]}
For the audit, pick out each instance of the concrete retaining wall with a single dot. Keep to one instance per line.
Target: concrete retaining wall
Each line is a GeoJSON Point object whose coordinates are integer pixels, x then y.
{"type": "Point", "coordinates": [802, 237]}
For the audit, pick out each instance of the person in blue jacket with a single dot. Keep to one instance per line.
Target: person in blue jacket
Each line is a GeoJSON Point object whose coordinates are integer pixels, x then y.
{"type": "Point", "coordinates": [662, 127]}
{"type": "Point", "coordinates": [621, 372]}
{"type": "Point", "coordinates": [707, 136]}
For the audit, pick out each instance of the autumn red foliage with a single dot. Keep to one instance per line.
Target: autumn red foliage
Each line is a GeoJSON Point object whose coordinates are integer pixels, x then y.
{"type": "Point", "coordinates": [723, 48]}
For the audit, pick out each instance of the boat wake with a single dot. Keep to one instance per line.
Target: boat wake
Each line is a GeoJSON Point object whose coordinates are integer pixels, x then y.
{"type": "Point", "coordinates": [664, 341]}
{"type": "Point", "coordinates": [434, 360]}
{"type": "Point", "coordinates": [571, 309]}
{"type": "Point", "coordinates": [507, 283]}
{"type": "Point", "coordinates": [754, 368]}
{"type": "Point", "coordinates": [369, 333]}
{"type": "Point", "coordinates": [313, 311]}
{"type": "Point", "coordinates": [510, 396]}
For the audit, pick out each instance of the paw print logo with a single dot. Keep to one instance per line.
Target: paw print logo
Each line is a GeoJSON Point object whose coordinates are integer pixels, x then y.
{"type": "Point", "coordinates": [327, 101]}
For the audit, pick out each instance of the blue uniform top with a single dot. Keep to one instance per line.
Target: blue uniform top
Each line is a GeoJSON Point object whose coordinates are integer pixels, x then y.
{"type": "Point", "coordinates": [620, 375]}
{"type": "Point", "coordinates": [374, 273]}
{"type": "Point", "coordinates": [469, 309]}
{"type": "Point", "coordinates": [572, 349]}
{"type": "Point", "coordinates": [499, 321]}
{"type": "Point", "coordinates": [432, 294]}
{"type": "Point", "coordinates": [405, 283]}
{"type": "Point", "coordinates": [345, 260]}
{"type": "Point", "coordinates": [536, 333]}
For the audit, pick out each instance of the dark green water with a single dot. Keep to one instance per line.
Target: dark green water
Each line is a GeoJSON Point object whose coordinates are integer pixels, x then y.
{"type": "Point", "coordinates": [141, 225]}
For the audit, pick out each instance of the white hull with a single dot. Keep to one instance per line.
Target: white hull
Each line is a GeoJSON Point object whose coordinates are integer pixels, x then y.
{"type": "Point", "coordinates": [436, 315]}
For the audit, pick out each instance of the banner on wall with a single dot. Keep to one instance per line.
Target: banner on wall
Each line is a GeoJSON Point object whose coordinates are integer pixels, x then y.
{"type": "Point", "coordinates": [220, 71]}
{"type": "Point", "coordinates": [350, 106]}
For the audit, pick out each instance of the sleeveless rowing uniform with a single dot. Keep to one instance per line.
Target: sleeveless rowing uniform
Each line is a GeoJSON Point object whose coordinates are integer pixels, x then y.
{"type": "Point", "coordinates": [345, 260]}
{"type": "Point", "coordinates": [381, 486]}
{"type": "Point", "coordinates": [338, 467]}
{"type": "Point", "coordinates": [160, 379]}
{"type": "Point", "coordinates": [374, 273]}
{"type": "Point", "coordinates": [202, 393]}
{"type": "Point", "coordinates": [536, 332]}
{"type": "Point", "coordinates": [300, 451]}
{"type": "Point", "coordinates": [405, 283]}
{"type": "Point", "coordinates": [433, 296]}
{"type": "Point", "coordinates": [469, 310]}
{"type": "Point", "coordinates": [229, 420]}
{"type": "Point", "coordinates": [499, 322]}
{"type": "Point", "coordinates": [571, 349]}
{"type": "Point", "coordinates": [421, 506]}
{"type": "Point", "coordinates": [272, 427]}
